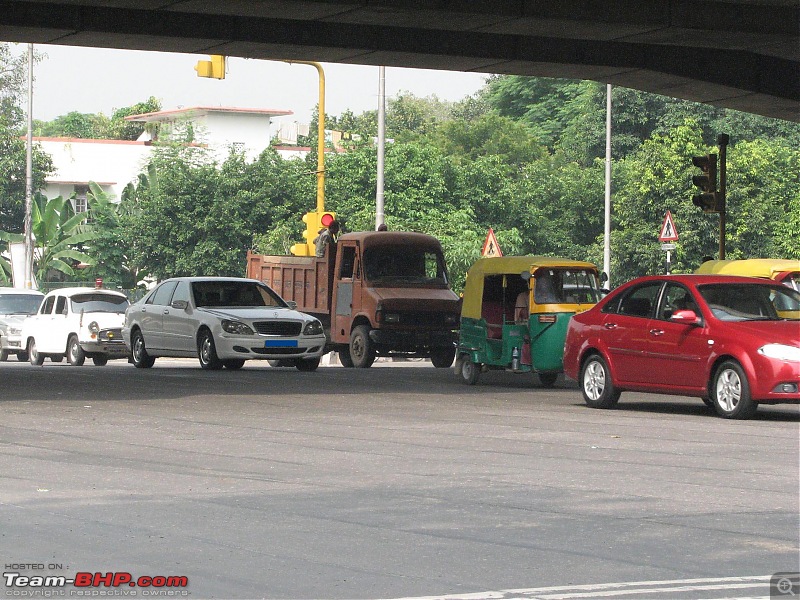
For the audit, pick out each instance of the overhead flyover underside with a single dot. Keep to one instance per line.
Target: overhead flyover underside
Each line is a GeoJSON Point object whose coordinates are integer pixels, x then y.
{"type": "Point", "coordinates": [739, 54]}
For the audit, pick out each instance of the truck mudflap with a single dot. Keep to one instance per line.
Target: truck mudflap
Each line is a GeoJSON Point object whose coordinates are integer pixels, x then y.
{"type": "Point", "coordinates": [412, 341]}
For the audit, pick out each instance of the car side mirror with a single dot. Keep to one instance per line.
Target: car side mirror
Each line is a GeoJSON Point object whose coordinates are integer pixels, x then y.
{"type": "Point", "coordinates": [688, 317]}
{"type": "Point", "coordinates": [291, 304]}
{"type": "Point", "coordinates": [180, 304]}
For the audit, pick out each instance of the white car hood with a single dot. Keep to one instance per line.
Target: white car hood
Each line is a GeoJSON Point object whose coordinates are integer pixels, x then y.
{"type": "Point", "coordinates": [257, 314]}
{"type": "Point", "coordinates": [104, 320]}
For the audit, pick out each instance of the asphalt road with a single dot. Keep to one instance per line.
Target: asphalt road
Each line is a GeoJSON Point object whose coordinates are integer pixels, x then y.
{"type": "Point", "coordinates": [395, 481]}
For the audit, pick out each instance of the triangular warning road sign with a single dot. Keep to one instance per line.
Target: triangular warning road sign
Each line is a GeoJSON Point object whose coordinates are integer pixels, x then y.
{"type": "Point", "coordinates": [668, 231]}
{"type": "Point", "coordinates": [490, 247]}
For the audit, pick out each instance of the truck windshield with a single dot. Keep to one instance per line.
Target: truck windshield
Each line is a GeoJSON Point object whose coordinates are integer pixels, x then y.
{"type": "Point", "coordinates": [389, 265]}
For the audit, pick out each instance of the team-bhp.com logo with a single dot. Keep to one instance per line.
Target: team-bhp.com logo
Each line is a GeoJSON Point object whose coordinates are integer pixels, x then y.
{"type": "Point", "coordinates": [156, 585]}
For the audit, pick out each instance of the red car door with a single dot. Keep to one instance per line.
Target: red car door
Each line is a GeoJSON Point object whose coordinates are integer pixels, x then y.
{"type": "Point", "coordinates": [627, 337]}
{"type": "Point", "coordinates": [677, 351]}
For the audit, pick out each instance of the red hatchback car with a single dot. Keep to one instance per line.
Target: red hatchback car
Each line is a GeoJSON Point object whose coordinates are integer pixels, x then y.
{"type": "Point", "coordinates": [732, 341]}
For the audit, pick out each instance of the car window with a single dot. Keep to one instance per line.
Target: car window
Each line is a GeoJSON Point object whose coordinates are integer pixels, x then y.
{"type": "Point", "coordinates": [61, 305]}
{"type": "Point", "coordinates": [163, 293]}
{"type": "Point", "coordinates": [676, 297]}
{"type": "Point", "coordinates": [234, 294]}
{"type": "Point", "coordinates": [19, 304]}
{"type": "Point", "coordinates": [47, 305]}
{"type": "Point", "coordinates": [182, 292]}
{"type": "Point", "coordinates": [751, 302]}
{"type": "Point", "coordinates": [97, 302]}
{"type": "Point", "coordinates": [640, 301]}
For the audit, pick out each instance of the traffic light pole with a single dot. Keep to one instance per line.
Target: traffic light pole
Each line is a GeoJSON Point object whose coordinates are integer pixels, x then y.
{"type": "Point", "coordinates": [722, 142]}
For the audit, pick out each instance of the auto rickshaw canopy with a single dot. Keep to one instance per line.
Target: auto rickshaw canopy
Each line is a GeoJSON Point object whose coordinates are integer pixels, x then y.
{"type": "Point", "coordinates": [513, 266]}
{"type": "Point", "coordinates": [766, 268]}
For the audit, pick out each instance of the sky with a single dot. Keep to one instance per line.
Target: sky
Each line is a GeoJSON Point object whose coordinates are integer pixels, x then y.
{"type": "Point", "coordinates": [99, 80]}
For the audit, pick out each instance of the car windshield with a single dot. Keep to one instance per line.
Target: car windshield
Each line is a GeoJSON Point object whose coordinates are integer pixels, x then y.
{"type": "Point", "coordinates": [97, 302]}
{"type": "Point", "coordinates": [216, 294]}
{"type": "Point", "coordinates": [19, 304]}
{"type": "Point", "coordinates": [748, 302]}
{"type": "Point", "coordinates": [392, 264]}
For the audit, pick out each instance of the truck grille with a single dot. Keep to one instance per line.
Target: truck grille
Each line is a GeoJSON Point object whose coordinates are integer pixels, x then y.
{"type": "Point", "coordinates": [284, 328]}
{"type": "Point", "coordinates": [424, 319]}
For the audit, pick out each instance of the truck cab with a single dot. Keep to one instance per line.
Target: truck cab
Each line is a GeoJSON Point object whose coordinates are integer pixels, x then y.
{"type": "Point", "coordinates": [378, 293]}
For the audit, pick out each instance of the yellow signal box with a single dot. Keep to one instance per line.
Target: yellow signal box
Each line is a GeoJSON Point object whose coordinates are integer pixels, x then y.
{"type": "Point", "coordinates": [211, 68]}
{"type": "Point", "coordinates": [314, 223]}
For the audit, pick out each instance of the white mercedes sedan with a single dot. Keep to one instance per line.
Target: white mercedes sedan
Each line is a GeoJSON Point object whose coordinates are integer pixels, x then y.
{"type": "Point", "coordinates": [223, 321]}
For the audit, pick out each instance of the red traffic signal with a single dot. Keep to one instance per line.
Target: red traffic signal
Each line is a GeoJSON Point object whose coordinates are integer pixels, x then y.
{"type": "Point", "coordinates": [326, 219]}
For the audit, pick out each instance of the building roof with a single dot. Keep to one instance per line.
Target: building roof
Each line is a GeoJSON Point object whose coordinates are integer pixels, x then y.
{"type": "Point", "coordinates": [199, 111]}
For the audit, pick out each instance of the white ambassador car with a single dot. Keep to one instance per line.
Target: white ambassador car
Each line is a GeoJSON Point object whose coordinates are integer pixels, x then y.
{"type": "Point", "coordinates": [78, 323]}
{"type": "Point", "coordinates": [223, 321]}
{"type": "Point", "coordinates": [15, 306]}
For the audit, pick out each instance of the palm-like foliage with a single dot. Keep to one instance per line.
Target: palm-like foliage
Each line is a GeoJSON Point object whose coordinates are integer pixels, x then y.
{"type": "Point", "coordinates": [58, 234]}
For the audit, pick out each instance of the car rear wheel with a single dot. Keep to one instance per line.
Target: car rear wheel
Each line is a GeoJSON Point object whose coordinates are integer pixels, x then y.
{"type": "Point", "coordinates": [100, 361]}
{"type": "Point", "coordinates": [470, 371]}
{"type": "Point", "coordinates": [207, 352]}
{"type": "Point", "coordinates": [34, 357]}
{"type": "Point", "coordinates": [596, 385]}
{"type": "Point", "coordinates": [141, 359]}
{"type": "Point", "coordinates": [731, 392]}
{"type": "Point", "coordinates": [442, 358]}
{"type": "Point", "coordinates": [75, 354]}
{"type": "Point", "coordinates": [362, 351]}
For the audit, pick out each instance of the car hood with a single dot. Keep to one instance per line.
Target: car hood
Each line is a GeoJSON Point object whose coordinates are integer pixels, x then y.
{"type": "Point", "coordinates": [104, 320]}
{"type": "Point", "coordinates": [776, 332]}
{"type": "Point", "coordinates": [14, 319]}
{"type": "Point", "coordinates": [255, 314]}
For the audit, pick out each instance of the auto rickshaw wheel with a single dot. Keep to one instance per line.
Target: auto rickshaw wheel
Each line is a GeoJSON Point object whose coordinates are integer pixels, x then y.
{"type": "Point", "coordinates": [548, 379]}
{"type": "Point", "coordinates": [470, 371]}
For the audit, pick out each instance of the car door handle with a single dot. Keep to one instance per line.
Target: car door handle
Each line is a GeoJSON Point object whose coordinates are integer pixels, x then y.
{"type": "Point", "coordinates": [166, 311]}
{"type": "Point", "coordinates": [656, 332]}
{"type": "Point", "coordinates": [610, 325]}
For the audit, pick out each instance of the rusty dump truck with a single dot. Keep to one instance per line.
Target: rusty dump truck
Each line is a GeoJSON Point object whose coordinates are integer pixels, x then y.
{"type": "Point", "coordinates": [378, 293]}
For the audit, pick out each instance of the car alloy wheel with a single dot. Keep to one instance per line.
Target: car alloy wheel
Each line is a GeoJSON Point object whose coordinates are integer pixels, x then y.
{"type": "Point", "coordinates": [207, 352]}
{"type": "Point", "coordinates": [34, 357]}
{"type": "Point", "coordinates": [731, 392]}
{"type": "Point", "coordinates": [596, 386]}
{"type": "Point", "coordinates": [141, 359]}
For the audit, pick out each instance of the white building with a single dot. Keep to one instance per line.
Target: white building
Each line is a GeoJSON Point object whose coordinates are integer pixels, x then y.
{"type": "Point", "coordinates": [113, 164]}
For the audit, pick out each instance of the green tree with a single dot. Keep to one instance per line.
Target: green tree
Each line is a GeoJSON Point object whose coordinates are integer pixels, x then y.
{"type": "Point", "coordinates": [13, 79]}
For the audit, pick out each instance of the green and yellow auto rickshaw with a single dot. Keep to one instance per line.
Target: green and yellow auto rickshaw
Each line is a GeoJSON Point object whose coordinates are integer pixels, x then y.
{"type": "Point", "coordinates": [515, 312]}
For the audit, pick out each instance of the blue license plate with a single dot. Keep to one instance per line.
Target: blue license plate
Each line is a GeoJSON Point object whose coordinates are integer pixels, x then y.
{"type": "Point", "coordinates": [280, 344]}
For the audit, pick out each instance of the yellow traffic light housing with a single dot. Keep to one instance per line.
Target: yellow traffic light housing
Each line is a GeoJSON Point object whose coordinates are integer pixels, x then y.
{"type": "Point", "coordinates": [314, 223]}
{"type": "Point", "coordinates": [211, 68]}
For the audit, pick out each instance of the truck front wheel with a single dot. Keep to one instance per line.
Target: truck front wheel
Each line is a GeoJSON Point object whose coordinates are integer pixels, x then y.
{"type": "Point", "coordinates": [362, 351]}
{"type": "Point", "coordinates": [442, 358]}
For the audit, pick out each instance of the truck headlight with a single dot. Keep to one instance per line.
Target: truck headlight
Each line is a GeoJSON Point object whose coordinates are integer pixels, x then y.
{"type": "Point", "coordinates": [451, 319]}
{"type": "Point", "coordinates": [391, 317]}
{"type": "Point", "coordinates": [236, 327]}
{"type": "Point", "coordinates": [14, 330]}
{"type": "Point", "coordinates": [313, 328]}
{"type": "Point", "coordinates": [780, 352]}
{"type": "Point", "coordinates": [94, 327]}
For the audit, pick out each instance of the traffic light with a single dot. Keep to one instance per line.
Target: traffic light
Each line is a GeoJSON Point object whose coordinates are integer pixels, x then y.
{"type": "Point", "coordinates": [708, 199]}
{"type": "Point", "coordinates": [211, 68]}
{"type": "Point", "coordinates": [314, 223]}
